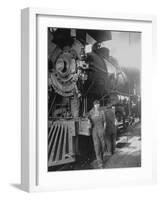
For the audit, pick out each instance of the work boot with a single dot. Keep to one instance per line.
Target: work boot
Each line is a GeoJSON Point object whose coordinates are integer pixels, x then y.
{"type": "Point", "coordinates": [100, 165]}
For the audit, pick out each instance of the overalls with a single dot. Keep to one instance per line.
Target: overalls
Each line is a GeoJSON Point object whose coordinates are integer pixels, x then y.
{"type": "Point", "coordinates": [98, 135]}
{"type": "Point", "coordinates": [110, 133]}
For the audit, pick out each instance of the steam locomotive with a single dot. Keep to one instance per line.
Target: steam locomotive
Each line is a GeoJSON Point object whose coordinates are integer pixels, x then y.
{"type": "Point", "coordinates": [80, 70]}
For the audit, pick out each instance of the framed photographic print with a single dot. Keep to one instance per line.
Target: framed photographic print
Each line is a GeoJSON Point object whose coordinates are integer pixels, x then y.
{"type": "Point", "coordinates": [86, 99]}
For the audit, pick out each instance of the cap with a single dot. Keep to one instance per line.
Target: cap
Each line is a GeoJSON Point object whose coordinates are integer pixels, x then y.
{"type": "Point", "coordinates": [96, 102]}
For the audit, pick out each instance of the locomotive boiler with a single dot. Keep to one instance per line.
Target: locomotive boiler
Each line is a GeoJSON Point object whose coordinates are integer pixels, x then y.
{"type": "Point", "coordinates": [80, 70]}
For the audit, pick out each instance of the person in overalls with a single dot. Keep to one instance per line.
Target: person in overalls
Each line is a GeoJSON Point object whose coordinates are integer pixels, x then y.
{"type": "Point", "coordinates": [111, 132]}
{"type": "Point", "coordinates": [98, 121]}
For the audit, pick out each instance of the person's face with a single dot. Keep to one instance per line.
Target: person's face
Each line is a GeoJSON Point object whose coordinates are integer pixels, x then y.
{"type": "Point", "coordinates": [97, 105]}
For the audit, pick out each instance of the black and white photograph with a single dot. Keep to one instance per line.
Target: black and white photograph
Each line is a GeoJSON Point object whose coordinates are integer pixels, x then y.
{"type": "Point", "coordinates": [94, 99]}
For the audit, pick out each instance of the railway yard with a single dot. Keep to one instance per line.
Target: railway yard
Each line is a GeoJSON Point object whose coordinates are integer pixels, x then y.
{"type": "Point", "coordinates": [94, 101]}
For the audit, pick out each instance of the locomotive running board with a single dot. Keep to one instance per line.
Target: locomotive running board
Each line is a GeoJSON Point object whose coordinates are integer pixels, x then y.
{"type": "Point", "coordinates": [61, 143]}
